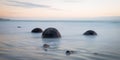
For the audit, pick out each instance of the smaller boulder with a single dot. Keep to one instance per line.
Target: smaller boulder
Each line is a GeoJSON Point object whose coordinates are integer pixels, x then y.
{"type": "Point", "coordinates": [37, 30]}
{"type": "Point", "coordinates": [90, 32]}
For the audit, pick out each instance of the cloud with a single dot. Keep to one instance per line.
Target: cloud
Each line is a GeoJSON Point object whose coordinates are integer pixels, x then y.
{"type": "Point", "coordinates": [25, 4]}
{"type": "Point", "coordinates": [28, 4]}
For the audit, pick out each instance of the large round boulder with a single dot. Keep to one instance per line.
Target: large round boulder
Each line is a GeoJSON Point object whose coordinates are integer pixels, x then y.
{"type": "Point", "coordinates": [51, 33]}
{"type": "Point", "coordinates": [90, 32]}
{"type": "Point", "coordinates": [37, 30]}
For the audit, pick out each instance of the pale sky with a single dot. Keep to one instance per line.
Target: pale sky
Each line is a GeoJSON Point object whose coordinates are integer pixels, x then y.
{"type": "Point", "coordinates": [59, 9]}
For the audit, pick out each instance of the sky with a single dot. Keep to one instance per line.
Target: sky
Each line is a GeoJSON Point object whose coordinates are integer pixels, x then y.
{"type": "Point", "coordinates": [58, 9]}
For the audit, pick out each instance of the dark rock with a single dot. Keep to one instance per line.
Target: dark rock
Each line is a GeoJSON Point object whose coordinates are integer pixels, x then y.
{"type": "Point", "coordinates": [51, 33]}
{"type": "Point", "coordinates": [46, 46]}
{"type": "Point", "coordinates": [90, 32]}
{"type": "Point", "coordinates": [69, 52]}
{"type": "Point", "coordinates": [95, 53]}
{"type": "Point", "coordinates": [37, 30]}
{"type": "Point", "coordinates": [18, 26]}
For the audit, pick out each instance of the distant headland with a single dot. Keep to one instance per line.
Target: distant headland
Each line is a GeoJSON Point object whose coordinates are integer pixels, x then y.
{"type": "Point", "coordinates": [4, 19]}
{"type": "Point", "coordinates": [96, 19]}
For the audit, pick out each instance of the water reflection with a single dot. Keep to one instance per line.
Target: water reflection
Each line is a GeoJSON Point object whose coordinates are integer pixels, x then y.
{"type": "Point", "coordinates": [52, 42]}
{"type": "Point", "coordinates": [36, 35]}
{"type": "Point", "coordinates": [90, 38]}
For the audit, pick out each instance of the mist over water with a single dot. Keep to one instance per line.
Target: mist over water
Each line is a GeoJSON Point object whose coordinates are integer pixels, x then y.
{"type": "Point", "coordinates": [20, 44]}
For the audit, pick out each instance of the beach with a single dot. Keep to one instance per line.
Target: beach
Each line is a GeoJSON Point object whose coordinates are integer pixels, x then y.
{"type": "Point", "coordinates": [18, 43]}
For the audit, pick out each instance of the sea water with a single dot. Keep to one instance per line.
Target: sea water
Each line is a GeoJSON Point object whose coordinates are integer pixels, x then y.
{"type": "Point", "coordinates": [18, 43]}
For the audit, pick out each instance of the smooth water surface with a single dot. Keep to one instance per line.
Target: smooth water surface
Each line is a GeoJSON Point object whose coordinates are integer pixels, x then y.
{"type": "Point", "coordinates": [20, 44]}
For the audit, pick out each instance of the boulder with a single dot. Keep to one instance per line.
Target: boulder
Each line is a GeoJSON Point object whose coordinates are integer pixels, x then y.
{"type": "Point", "coordinates": [90, 32]}
{"type": "Point", "coordinates": [37, 30]}
{"type": "Point", "coordinates": [51, 33]}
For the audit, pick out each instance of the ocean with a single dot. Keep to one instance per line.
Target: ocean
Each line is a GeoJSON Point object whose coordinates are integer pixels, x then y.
{"type": "Point", "coordinates": [20, 44]}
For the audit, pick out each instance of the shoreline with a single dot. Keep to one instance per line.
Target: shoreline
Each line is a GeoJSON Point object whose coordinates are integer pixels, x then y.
{"type": "Point", "coordinates": [114, 21]}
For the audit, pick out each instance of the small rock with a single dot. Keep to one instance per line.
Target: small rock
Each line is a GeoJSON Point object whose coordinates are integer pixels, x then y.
{"type": "Point", "coordinates": [68, 52]}
{"type": "Point", "coordinates": [95, 53]}
{"type": "Point", "coordinates": [18, 26]}
{"type": "Point", "coordinates": [46, 46]}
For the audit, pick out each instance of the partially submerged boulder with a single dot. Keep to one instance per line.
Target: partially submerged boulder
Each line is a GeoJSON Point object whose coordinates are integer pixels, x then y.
{"type": "Point", "coordinates": [51, 33]}
{"type": "Point", "coordinates": [37, 30]}
{"type": "Point", "coordinates": [90, 32]}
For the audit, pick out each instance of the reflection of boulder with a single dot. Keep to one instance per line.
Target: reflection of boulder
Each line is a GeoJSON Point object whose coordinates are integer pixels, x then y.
{"type": "Point", "coordinates": [90, 32]}
{"type": "Point", "coordinates": [36, 36]}
{"type": "Point", "coordinates": [36, 30]}
{"type": "Point", "coordinates": [51, 42]}
{"type": "Point", "coordinates": [51, 33]}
